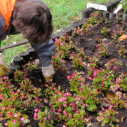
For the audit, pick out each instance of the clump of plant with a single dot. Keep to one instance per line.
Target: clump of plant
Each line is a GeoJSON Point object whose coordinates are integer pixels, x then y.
{"type": "Point", "coordinates": [121, 81]}
{"type": "Point", "coordinates": [103, 50]}
{"type": "Point", "coordinates": [112, 67]}
{"type": "Point", "coordinates": [86, 26]}
{"type": "Point", "coordinates": [19, 76]}
{"type": "Point", "coordinates": [77, 61]}
{"type": "Point", "coordinates": [77, 31]}
{"type": "Point", "coordinates": [116, 34]}
{"type": "Point", "coordinates": [82, 54]}
{"type": "Point", "coordinates": [95, 60]}
{"type": "Point", "coordinates": [101, 80]}
{"type": "Point", "coordinates": [44, 117]}
{"type": "Point", "coordinates": [94, 17]}
{"type": "Point", "coordinates": [87, 95]}
{"type": "Point", "coordinates": [30, 67]}
{"type": "Point", "coordinates": [107, 116]}
{"type": "Point", "coordinates": [75, 81]}
{"type": "Point", "coordinates": [105, 31]}
{"type": "Point", "coordinates": [72, 46]}
{"type": "Point", "coordinates": [57, 63]}
{"type": "Point", "coordinates": [122, 51]}
{"type": "Point", "coordinates": [62, 47]}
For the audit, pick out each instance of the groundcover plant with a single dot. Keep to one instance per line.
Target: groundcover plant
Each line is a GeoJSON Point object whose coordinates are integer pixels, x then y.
{"type": "Point", "coordinates": [89, 87]}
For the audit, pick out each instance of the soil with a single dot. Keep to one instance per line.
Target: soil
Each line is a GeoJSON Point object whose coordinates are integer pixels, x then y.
{"type": "Point", "coordinates": [89, 44]}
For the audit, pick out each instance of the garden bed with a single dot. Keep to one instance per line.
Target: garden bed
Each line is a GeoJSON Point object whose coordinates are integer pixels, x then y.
{"type": "Point", "coordinates": [89, 86]}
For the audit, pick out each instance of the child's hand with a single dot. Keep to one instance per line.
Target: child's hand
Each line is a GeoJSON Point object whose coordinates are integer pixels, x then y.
{"type": "Point", "coordinates": [4, 71]}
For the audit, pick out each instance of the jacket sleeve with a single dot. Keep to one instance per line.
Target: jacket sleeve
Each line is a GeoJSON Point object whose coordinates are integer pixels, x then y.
{"type": "Point", "coordinates": [2, 26]}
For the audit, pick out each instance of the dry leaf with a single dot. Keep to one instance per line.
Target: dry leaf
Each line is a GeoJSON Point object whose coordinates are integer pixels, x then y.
{"type": "Point", "coordinates": [36, 62]}
{"type": "Point", "coordinates": [46, 101]}
{"type": "Point", "coordinates": [116, 120]}
{"type": "Point", "coordinates": [109, 96]}
{"type": "Point", "coordinates": [84, 63]}
{"type": "Point", "coordinates": [104, 100]}
{"type": "Point", "coordinates": [113, 88]}
{"type": "Point", "coordinates": [71, 57]}
{"type": "Point", "coordinates": [105, 105]}
{"type": "Point", "coordinates": [100, 113]}
{"type": "Point", "coordinates": [122, 38]}
{"type": "Point", "coordinates": [100, 118]}
{"type": "Point", "coordinates": [88, 119]}
{"type": "Point", "coordinates": [125, 105]}
{"type": "Point", "coordinates": [80, 73]}
{"type": "Point", "coordinates": [117, 125]}
{"type": "Point", "coordinates": [122, 118]}
{"type": "Point", "coordinates": [119, 94]}
{"type": "Point", "coordinates": [125, 96]}
{"type": "Point", "coordinates": [63, 61]}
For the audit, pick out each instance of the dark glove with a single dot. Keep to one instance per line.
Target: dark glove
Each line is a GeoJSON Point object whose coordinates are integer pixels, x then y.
{"type": "Point", "coordinates": [4, 71]}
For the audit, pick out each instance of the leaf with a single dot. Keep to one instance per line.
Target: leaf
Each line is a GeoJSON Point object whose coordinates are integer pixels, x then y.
{"type": "Point", "coordinates": [113, 88]}
{"type": "Point", "coordinates": [63, 61]}
{"type": "Point", "coordinates": [125, 105]}
{"type": "Point", "coordinates": [105, 105]}
{"type": "Point", "coordinates": [1, 125]}
{"type": "Point", "coordinates": [84, 63]}
{"type": "Point", "coordinates": [71, 122]}
{"type": "Point", "coordinates": [89, 124]}
{"type": "Point", "coordinates": [71, 57]}
{"type": "Point", "coordinates": [70, 99]}
{"type": "Point", "coordinates": [100, 113]}
{"type": "Point", "coordinates": [100, 118]}
{"type": "Point", "coordinates": [91, 107]}
{"type": "Point", "coordinates": [116, 120]}
{"type": "Point", "coordinates": [10, 124]}
{"type": "Point", "coordinates": [106, 120]}
{"type": "Point", "coordinates": [80, 73]}
{"type": "Point", "coordinates": [25, 121]}
{"type": "Point", "coordinates": [122, 38]}
{"type": "Point", "coordinates": [46, 101]}
{"type": "Point", "coordinates": [119, 94]}
{"type": "Point", "coordinates": [109, 96]}
{"type": "Point", "coordinates": [117, 125]}
{"type": "Point", "coordinates": [122, 118]}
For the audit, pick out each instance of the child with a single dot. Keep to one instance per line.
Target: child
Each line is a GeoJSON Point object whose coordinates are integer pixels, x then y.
{"type": "Point", "coordinates": [34, 20]}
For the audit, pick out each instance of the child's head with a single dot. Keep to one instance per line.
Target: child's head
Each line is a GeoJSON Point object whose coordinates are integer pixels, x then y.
{"type": "Point", "coordinates": [34, 20]}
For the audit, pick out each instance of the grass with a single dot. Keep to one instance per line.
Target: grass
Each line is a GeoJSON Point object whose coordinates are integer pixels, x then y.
{"type": "Point", "coordinates": [63, 11]}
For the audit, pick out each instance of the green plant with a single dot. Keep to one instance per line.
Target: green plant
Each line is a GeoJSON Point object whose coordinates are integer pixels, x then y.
{"type": "Point", "coordinates": [77, 31]}
{"type": "Point", "coordinates": [122, 51]}
{"type": "Point", "coordinates": [124, 4]}
{"type": "Point", "coordinates": [107, 116]}
{"type": "Point", "coordinates": [121, 81]}
{"type": "Point", "coordinates": [94, 17]}
{"type": "Point", "coordinates": [105, 31]}
{"type": "Point", "coordinates": [30, 67]}
{"type": "Point", "coordinates": [57, 63]}
{"type": "Point", "coordinates": [77, 61]}
{"type": "Point", "coordinates": [19, 76]}
{"type": "Point", "coordinates": [101, 80]}
{"type": "Point", "coordinates": [62, 47]}
{"type": "Point", "coordinates": [82, 54]}
{"type": "Point", "coordinates": [75, 81]}
{"type": "Point", "coordinates": [103, 50]}
{"type": "Point", "coordinates": [86, 26]}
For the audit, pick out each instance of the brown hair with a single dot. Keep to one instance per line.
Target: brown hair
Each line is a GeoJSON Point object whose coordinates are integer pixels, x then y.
{"type": "Point", "coordinates": [34, 20]}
